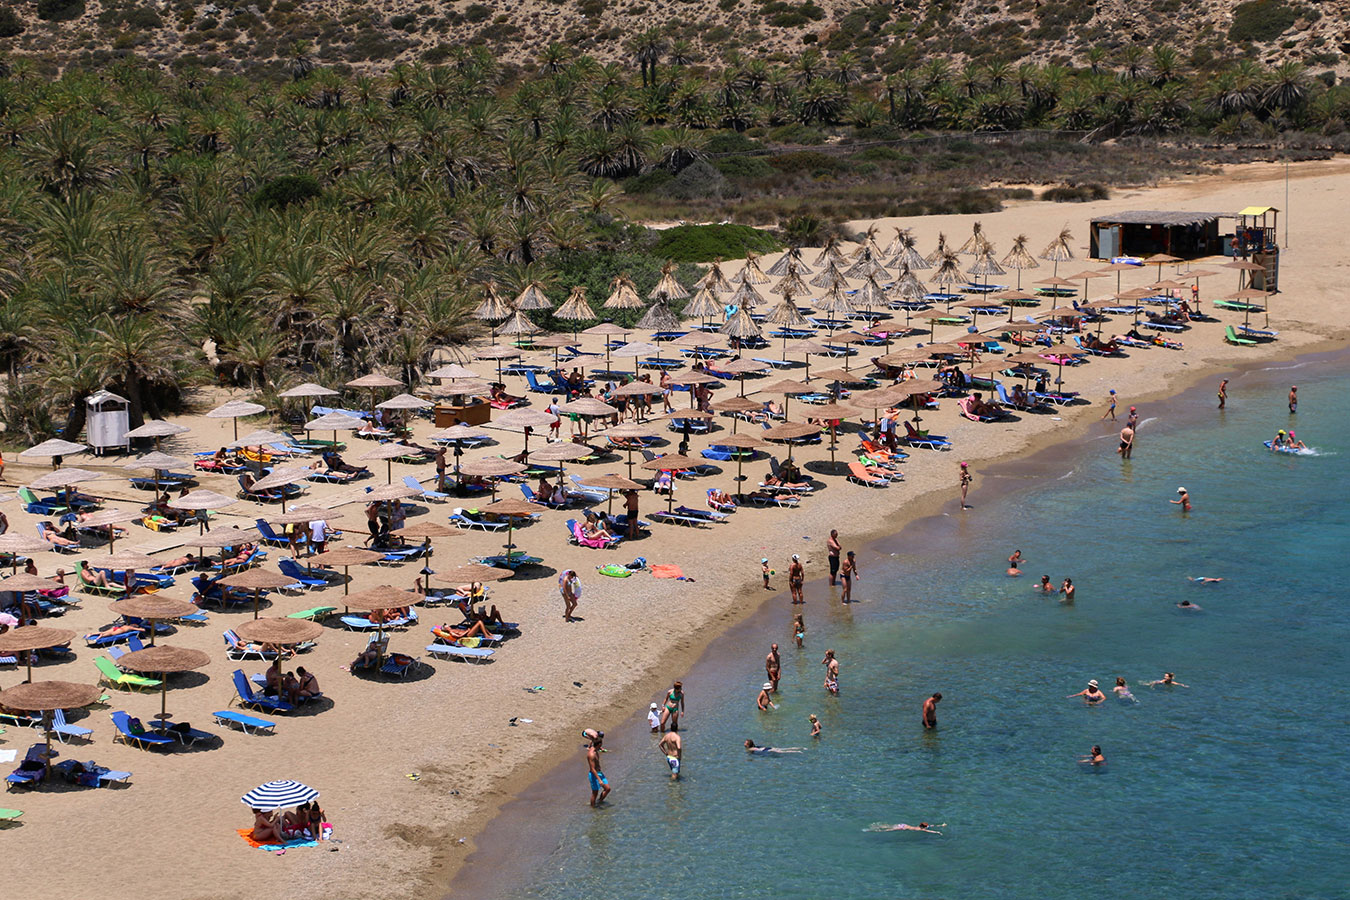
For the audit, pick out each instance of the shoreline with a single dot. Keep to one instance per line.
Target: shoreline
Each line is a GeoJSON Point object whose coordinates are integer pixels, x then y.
{"type": "Point", "coordinates": [540, 782]}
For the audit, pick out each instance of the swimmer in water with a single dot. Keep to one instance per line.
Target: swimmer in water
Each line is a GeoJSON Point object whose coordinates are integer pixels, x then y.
{"type": "Point", "coordinates": [815, 725]}
{"type": "Point", "coordinates": [922, 826]}
{"type": "Point", "coordinates": [1067, 589]}
{"type": "Point", "coordinates": [1015, 564]}
{"type": "Point", "coordinates": [1092, 694]}
{"type": "Point", "coordinates": [1045, 585]}
{"type": "Point", "coordinates": [1188, 606]}
{"type": "Point", "coordinates": [752, 747]}
{"type": "Point", "coordinates": [1168, 680]}
{"type": "Point", "coordinates": [1122, 691]}
{"type": "Point", "coordinates": [1203, 579]}
{"type": "Point", "coordinates": [1183, 500]}
{"type": "Point", "coordinates": [762, 702]}
{"type": "Point", "coordinates": [1094, 758]}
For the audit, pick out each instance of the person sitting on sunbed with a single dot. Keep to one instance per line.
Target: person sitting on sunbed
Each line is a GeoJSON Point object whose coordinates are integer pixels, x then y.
{"type": "Point", "coordinates": [450, 635]}
{"type": "Point", "coordinates": [336, 463]}
{"type": "Point", "coordinates": [370, 655]}
{"type": "Point", "coordinates": [52, 535]}
{"type": "Point", "coordinates": [93, 577]}
{"type": "Point", "coordinates": [719, 499]}
{"type": "Point", "coordinates": [1019, 396]}
{"type": "Point", "coordinates": [980, 407]}
{"type": "Point", "coordinates": [499, 395]}
{"type": "Point", "coordinates": [663, 484]}
{"type": "Point", "coordinates": [328, 470]}
{"type": "Point", "coordinates": [113, 631]}
{"type": "Point", "coordinates": [595, 527]}
{"type": "Point", "coordinates": [306, 686]}
{"type": "Point", "coordinates": [242, 553]}
{"type": "Point", "coordinates": [369, 428]}
{"type": "Point", "coordinates": [275, 678]}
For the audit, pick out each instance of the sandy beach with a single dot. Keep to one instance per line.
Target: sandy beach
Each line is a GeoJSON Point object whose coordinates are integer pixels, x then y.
{"type": "Point", "coordinates": [410, 770]}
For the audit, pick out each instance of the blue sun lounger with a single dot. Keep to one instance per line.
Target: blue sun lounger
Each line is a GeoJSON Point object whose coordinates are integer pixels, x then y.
{"type": "Point", "coordinates": [63, 729]}
{"type": "Point", "coordinates": [428, 494]}
{"type": "Point", "coordinates": [248, 724]}
{"type": "Point", "coordinates": [145, 740]}
{"type": "Point", "coordinates": [185, 736]}
{"type": "Point", "coordinates": [246, 696]}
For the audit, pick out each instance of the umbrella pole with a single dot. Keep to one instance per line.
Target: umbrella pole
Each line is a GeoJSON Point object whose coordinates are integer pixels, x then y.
{"type": "Point", "coordinates": [163, 697]}
{"type": "Point", "coordinates": [740, 457]}
{"type": "Point", "coordinates": [346, 580]}
{"type": "Point", "coordinates": [255, 602]}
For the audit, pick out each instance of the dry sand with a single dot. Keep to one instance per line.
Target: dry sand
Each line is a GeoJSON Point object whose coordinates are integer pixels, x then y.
{"type": "Point", "coordinates": [170, 834]}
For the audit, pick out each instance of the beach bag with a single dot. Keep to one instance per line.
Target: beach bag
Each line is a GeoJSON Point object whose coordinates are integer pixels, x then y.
{"type": "Point", "coordinates": [134, 726]}
{"type": "Point", "coordinates": [637, 564]}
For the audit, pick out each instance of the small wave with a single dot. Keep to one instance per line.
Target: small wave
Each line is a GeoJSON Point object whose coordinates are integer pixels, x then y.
{"type": "Point", "coordinates": [1288, 368]}
{"type": "Point", "coordinates": [1149, 420]}
{"type": "Point", "coordinates": [1069, 474]}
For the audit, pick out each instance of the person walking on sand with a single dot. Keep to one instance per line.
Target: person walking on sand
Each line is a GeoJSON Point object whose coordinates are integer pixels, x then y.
{"type": "Point", "coordinates": [1126, 442]}
{"type": "Point", "coordinates": [831, 672]}
{"type": "Point", "coordinates": [570, 586]}
{"type": "Point", "coordinates": [1110, 406]}
{"type": "Point", "coordinates": [599, 783]}
{"type": "Point", "coordinates": [1293, 399]}
{"type": "Point", "coordinates": [1183, 500]}
{"type": "Point", "coordinates": [670, 716]}
{"type": "Point", "coordinates": [796, 578]}
{"type": "Point", "coordinates": [930, 712]}
{"type": "Point", "coordinates": [833, 547]}
{"type": "Point", "coordinates": [672, 748]}
{"type": "Point", "coordinates": [966, 479]}
{"type": "Point", "coordinates": [773, 667]}
{"type": "Point", "coordinates": [846, 573]}
{"type": "Point", "coordinates": [1223, 393]}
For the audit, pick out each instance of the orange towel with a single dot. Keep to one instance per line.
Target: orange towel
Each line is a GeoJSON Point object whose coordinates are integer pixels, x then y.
{"type": "Point", "coordinates": [661, 571]}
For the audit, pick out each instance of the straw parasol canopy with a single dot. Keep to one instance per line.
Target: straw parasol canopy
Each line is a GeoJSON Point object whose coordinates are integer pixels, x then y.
{"type": "Point", "coordinates": [830, 253]}
{"type": "Point", "coordinates": [835, 304]}
{"type": "Point", "coordinates": [308, 389]}
{"type": "Point", "coordinates": [741, 326]}
{"type": "Point", "coordinates": [659, 318]}
{"type": "Point", "coordinates": [334, 421]}
{"type": "Point", "coordinates": [638, 389]}
{"type": "Point", "coordinates": [22, 543]}
{"type": "Point", "coordinates": [908, 286]}
{"type": "Point", "coordinates": [714, 280]}
{"type": "Point", "coordinates": [224, 537]}
{"type": "Point", "coordinates": [790, 431]}
{"type": "Point", "coordinates": [54, 447]}
{"type": "Point", "coordinates": [680, 415]}
{"type": "Point", "coordinates": [123, 559]}
{"type": "Point", "coordinates": [519, 324]}
{"type": "Point", "coordinates": [829, 277]}
{"type": "Point", "coordinates": [61, 478]}
{"type": "Point", "coordinates": [786, 315]}
{"type": "Point", "coordinates": [453, 371]}
{"type": "Point", "coordinates": [236, 409]}
{"type": "Point", "coordinates": [587, 406]}
{"type": "Point", "coordinates": [202, 499]}
{"type": "Point", "coordinates": [162, 661]}
{"type": "Point", "coordinates": [1058, 250]}
{"type": "Point", "coordinates": [736, 404]}
{"type": "Point", "coordinates": [282, 476]}
{"type": "Point", "coordinates": [346, 556]}
{"type": "Point", "coordinates": [492, 467]}
{"type": "Point", "coordinates": [1018, 258]}
{"type": "Point", "coordinates": [668, 287]}
{"type": "Point", "coordinates": [23, 582]}
{"type": "Point", "coordinates": [743, 367]}
{"type": "Point", "coordinates": [878, 398]}
{"type": "Point", "coordinates": [258, 438]}
{"type": "Point", "coordinates": [460, 432]}
{"type": "Point", "coordinates": [525, 418]}
{"type": "Point", "coordinates": [493, 307]}
{"type": "Point", "coordinates": [156, 460]}
{"type": "Point", "coordinates": [533, 297]}
{"type": "Point", "coordinates": [157, 606]}
{"type": "Point", "coordinates": [425, 530]}
{"type": "Point", "coordinates": [611, 482]}
{"type": "Point", "coordinates": [576, 308]}
{"type": "Point", "coordinates": [392, 450]}
{"type": "Point", "coordinates": [703, 306]}
{"type": "Point", "coordinates": [746, 296]}
{"type": "Point", "coordinates": [787, 387]}
{"type": "Point", "coordinates": [792, 284]}
{"type": "Point", "coordinates": [272, 630]}
{"type": "Point", "coordinates": [691, 377]}
{"type": "Point", "coordinates": [985, 265]}
{"type": "Point", "coordinates": [404, 401]}
{"type": "Point", "coordinates": [866, 267]}
{"type": "Point", "coordinates": [948, 270]}
{"type": "Point", "coordinates": [975, 244]}
{"type": "Point", "coordinates": [381, 597]}
{"type": "Point", "coordinates": [497, 351]}
{"type": "Point", "coordinates": [624, 295]}
{"type": "Point", "coordinates": [46, 696]}
{"type": "Point", "coordinates": [385, 493]}
{"type": "Point", "coordinates": [158, 428]}
{"type": "Point", "coordinates": [563, 451]}
{"type": "Point", "coordinates": [474, 573]}
{"type": "Point", "coordinates": [832, 411]}
{"type": "Point", "coordinates": [257, 581]}
{"type": "Point", "coordinates": [33, 637]}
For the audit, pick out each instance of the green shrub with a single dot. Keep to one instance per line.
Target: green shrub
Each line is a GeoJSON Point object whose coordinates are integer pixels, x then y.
{"type": "Point", "coordinates": [477, 12]}
{"type": "Point", "coordinates": [652, 182]}
{"type": "Point", "coordinates": [10, 24]}
{"type": "Point", "coordinates": [807, 161]}
{"type": "Point", "coordinates": [699, 180]}
{"type": "Point", "coordinates": [884, 154]}
{"type": "Point", "coordinates": [704, 243]}
{"type": "Point", "coordinates": [142, 17]}
{"type": "Point", "coordinates": [797, 134]}
{"type": "Point", "coordinates": [1261, 20]}
{"type": "Point", "coordinates": [287, 189]}
{"type": "Point", "coordinates": [743, 167]}
{"type": "Point", "coordinates": [591, 8]}
{"type": "Point", "coordinates": [730, 142]}
{"type": "Point", "coordinates": [60, 10]}
{"type": "Point", "coordinates": [1077, 193]}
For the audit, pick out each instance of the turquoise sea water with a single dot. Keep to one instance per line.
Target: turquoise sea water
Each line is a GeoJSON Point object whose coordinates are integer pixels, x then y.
{"type": "Point", "coordinates": [1233, 787]}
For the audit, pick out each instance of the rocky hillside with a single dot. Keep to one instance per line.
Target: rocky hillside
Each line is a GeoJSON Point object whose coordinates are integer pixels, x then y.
{"type": "Point", "coordinates": [883, 37]}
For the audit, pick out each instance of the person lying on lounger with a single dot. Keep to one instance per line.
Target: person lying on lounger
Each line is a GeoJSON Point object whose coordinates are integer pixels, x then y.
{"type": "Point", "coordinates": [188, 561]}
{"type": "Point", "coordinates": [1092, 343]}
{"type": "Point", "coordinates": [52, 535]}
{"type": "Point", "coordinates": [980, 407]}
{"type": "Point", "coordinates": [450, 635]}
{"type": "Point", "coordinates": [114, 630]}
{"type": "Point", "coordinates": [94, 577]}
{"type": "Point", "coordinates": [242, 554]}
{"type": "Point", "coordinates": [369, 656]}
{"type": "Point", "coordinates": [595, 528]}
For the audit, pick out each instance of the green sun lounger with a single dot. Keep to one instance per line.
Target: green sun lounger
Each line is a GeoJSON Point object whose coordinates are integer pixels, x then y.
{"type": "Point", "coordinates": [110, 674]}
{"type": "Point", "coordinates": [318, 612]}
{"type": "Point", "coordinates": [8, 816]}
{"type": "Point", "coordinates": [1232, 337]}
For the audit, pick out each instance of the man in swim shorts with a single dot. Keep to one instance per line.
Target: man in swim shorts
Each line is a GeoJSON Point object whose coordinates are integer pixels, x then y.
{"type": "Point", "coordinates": [930, 712]}
{"type": "Point", "coordinates": [599, 784]}
{"type": "Point", "coordinates": [672, 748]}
{"type": "Point", "coordinates": [773, 667]}
{"type": "Point", "coordinates": [1126, 442]}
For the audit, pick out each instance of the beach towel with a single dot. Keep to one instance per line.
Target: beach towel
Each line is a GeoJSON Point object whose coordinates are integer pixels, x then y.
{"type": "Point", "coordinates": [614, 570]}
{"type": "Point", "coordinates": [666, 571]}
{"type": "Point", "coordinates": [247, 835]}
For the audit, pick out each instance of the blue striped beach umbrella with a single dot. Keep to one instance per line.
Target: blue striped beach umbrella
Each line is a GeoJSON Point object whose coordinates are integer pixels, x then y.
{"type": "Point", "coordinates": [278, 795]}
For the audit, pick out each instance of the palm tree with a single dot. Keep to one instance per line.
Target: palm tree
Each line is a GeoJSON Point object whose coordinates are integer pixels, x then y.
{"type": "Point", "coordinates": [1288, 87]}
{"type": "Point", "coordinates": [134, 352]}
{"type": "Point", "coordinates": [646, 49]}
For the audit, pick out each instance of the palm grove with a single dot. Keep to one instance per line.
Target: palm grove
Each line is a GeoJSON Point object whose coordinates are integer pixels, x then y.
{"type": "Point", "coordinates": [338, 224]}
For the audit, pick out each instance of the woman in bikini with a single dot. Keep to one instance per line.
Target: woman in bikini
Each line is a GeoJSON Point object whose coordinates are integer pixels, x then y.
{"type": "Point", "coordinates": [796, 578]}
{"type": "Point", "coordinates": [450, 635]}
{"type": "Point", "coordinates": [670, 716]}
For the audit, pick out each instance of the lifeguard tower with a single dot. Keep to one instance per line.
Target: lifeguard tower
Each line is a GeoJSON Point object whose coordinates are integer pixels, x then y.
{"type": "Point", "coordinates": [107, 421]}
{"type": "Point", "coordinates": [1255, 240]}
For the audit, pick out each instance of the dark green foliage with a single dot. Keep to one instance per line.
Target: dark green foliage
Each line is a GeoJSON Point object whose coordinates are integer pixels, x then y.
{"type": "Point", "coordinates": [477, 12]}
{"type": "Point", "coordinates": [596, 270]}
{"type": "Point", "coordinates": [1077, 193]}
{"type": "Point", "coordinates": [10, 24]}
{"type": "Point", "coordinates": [60, 10]}
{"type": "Point", "coordinates": [652, 182]}
{"type": "Point", "coordinates": [730, 142]}
{"type": "Point", "coordinates": [1261, 20]}
{"type": "Point", "coordinates": [280, 193]}
{"type": "Point", "coordinates": [807, 161]}
{"type": "Point", "coordinates": [743, 167]}
{"type": "Point", "coordinates": [704, 243]}
{"type": "Point", "coordinates": [700, 180]}
{"type": "Point", "coordinates": [790, 15]}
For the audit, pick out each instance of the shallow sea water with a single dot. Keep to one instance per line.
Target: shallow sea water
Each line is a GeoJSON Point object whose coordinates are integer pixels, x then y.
{"type": "Point", "coordinates": [1234, 787]}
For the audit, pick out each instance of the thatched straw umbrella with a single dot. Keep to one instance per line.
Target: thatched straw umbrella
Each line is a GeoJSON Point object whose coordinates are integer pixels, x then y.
{"type": "Point", "coordinates": [791, 283]}
{"type": "Point", "coordinates": [835, 305]}
{"type": "Point", "coordinates": [533, 297]}
{"type": "Point", "coordinates": [746, 297]}
{"type": "Point", "coordinates": [948, 273]}
{"type": "Point", "coordinates": [830, 277]}
{"type": "Point", "coordinates": [158, 428]}
{"type": "Point", "coordinates": [940, 253]}
{"type": "Point", "coordinates": [786, 316]}
{"type": "Point", "coordinates": [985, 265]}
{"type": "Point", "coordinates": [164, 661]}
{"type": "Point", "coordinates": [575, 309]}
{"type": "Point", "coordinates": [234, 410]}
{"type": "Point", "coordinates": [668, 287]}
{"type": "Point", "coordinates": [867, 267]}
{"type": "Point", "coordinates": [1018, 258]}
{"type": "Point", "coordinates": [1058, 250]}
{"type": "Point", "coordinates": [704, 306]}
{"type": "Point", "coordinates": [28, 638]}
{"type": "Point", "coordinates": [750, 273]}
{"type": "Point", "coordinates": [625, 295]}
{"type": "Point", "coordinates": [790, 259]}
{"type": "Point", "coordinates": [46, 697]}
{"type": "Point", "coordinates": [908, 257]}
{"type": "Point", "coordinates": [741, 326]}
{"type": "Point", "coordinates": [791, 433]}
{"type": "Point", "coordinates": [975, 244]}
{"type": "Point", "coordinates": [714, 280]}
{"type": "Point", "coordinates": [520, 325]}
{"type": "Point", "coordinates": [830, 253]}
{"type": "Point", "coordinates": [659, 318]}
{"type": "Point", "coordinates": [493, 308]}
